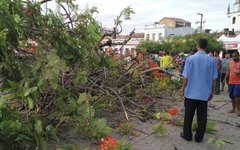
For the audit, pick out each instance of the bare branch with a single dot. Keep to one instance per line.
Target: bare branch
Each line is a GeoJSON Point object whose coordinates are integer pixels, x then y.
{"type": "Point", "coordinates": [68, 15]}
{"type": "Point", "coordinates": [128, 38]}
{"type": "Point", "coordinates": [110, 42]}
{"type": "Point", "coordinates": [45, 1]}
{"type": "Point", "coordinates": [120, 29]}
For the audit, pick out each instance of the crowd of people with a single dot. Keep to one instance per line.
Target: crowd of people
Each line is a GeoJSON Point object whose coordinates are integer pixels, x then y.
{"type": "Point", "coordinates": [166, 61]}
{"type": "Point", "coordinates": [204, 75]}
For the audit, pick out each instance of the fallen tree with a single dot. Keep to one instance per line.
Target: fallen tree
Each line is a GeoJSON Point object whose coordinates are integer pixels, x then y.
{"type": "Point", "coordinates": [62, 82]}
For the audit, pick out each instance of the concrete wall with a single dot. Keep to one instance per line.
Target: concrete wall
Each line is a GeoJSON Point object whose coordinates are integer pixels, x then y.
{"type": "Point", "coordinates": [181, 31]}
{"type": "Point", "coordinates": [165, 32]}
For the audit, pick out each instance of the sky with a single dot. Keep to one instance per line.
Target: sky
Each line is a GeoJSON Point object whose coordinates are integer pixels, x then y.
{"type": "Point", "coordinates": [150, 11]}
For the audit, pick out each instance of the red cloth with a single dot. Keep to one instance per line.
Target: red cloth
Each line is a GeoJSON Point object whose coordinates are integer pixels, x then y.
{"type": "Point", "coordinates": [234, 77]}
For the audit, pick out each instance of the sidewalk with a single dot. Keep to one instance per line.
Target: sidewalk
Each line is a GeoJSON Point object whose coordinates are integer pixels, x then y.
{"type": "Point", "coordinates": [228, 130]}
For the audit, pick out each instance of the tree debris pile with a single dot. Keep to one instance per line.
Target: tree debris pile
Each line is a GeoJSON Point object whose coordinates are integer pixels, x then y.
{"type": "Point", "coordinates": [127, 88]}
{"type": "Point", "coordinates": [53, 77]}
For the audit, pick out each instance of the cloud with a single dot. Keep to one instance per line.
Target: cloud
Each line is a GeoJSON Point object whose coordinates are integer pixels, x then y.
{"type": "Point", "coordinates": [150, 11]}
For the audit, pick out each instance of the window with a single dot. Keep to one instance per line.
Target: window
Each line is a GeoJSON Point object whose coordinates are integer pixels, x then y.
{"type": "Point", "coordinates": [153, 36]}
{"type": "Point", "coordinates": [147, 36]}
{"type": "Point", "coordinates": [234, 20]}
{"type": "Point", "coordinates": [159, 36]}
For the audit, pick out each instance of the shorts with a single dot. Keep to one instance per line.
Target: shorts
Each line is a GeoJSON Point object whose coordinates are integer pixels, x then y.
{"type": "Point", "coordinates": [234, 90]}
{"type": "Point", "coordinates": [223, 75]}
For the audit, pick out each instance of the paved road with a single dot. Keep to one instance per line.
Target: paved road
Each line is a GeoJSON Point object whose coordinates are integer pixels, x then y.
{"type": "Point", "coordinates": [228, 130]}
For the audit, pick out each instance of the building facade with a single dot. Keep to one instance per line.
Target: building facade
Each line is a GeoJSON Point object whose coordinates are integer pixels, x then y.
{"type": "Point", "coordinates": [167, 27]}
{"type": "Point", "coordinates": [174, 22]}
{"type": "Point", "coordinates": [231, 43]}
{"type": "Point", "coordinates": [124, 50]}
{"type": "Point", "coordinates": [231, 35]}
{"type": "Point", "coordinates": [233, 14]}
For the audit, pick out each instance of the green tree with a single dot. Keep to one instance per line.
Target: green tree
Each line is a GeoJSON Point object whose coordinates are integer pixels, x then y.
{"type": "Point", "coordinates": [181, 44]}
{"type": "Point", "coordinates": [42, 85]}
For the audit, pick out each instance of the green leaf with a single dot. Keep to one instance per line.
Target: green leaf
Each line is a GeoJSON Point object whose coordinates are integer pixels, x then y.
{"type": "Point", "coordinates": [16, 17]}
{"type": "Point", "coordinates": [38, 126]}
{"type": "Point", "coordinates": [12, 83]}
{"type": "Point", "coordinates": [50, 21]}
{"type": "Point", "coordinates": [162, 115]}
{"type": "Point", "coordinates": [160, 129]}
{"type": "Point", "coordinates": [30, 103]}
{"type": "Point", "coordinates": [84, 97]}
{"type": "Point", "coordinates": [211, 127]}
{"type": "Point", "coordinates": [99, 128]}
{"type": "Point", "coordinates": [216, 141]}
{"type": "Point", "coordinates": [2, 102]}
{"type": "Point", "coordinates": [16, 125]}
{"type": "Point", "coordinates": [29, 91]}
{"type": "Point", "coordinates": [81, 78]}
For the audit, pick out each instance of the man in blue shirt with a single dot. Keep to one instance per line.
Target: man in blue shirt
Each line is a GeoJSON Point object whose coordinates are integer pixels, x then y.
{"type": "Point", "coordinates": [199, 75]}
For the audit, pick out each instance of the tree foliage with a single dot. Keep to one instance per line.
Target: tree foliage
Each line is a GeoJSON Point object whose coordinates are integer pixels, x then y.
{"type": "Point", "coordinates": [181, 44]}
{"type": "Point", "coordinates": [41, 84]}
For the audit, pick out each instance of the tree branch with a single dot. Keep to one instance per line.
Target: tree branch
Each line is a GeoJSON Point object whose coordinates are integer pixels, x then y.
{"type": "Point", "coordinates": [45, 1]}
{"type": "Point", "coordinates": [68, 14]}
{"type": "Point", "coordinates": [110, 42]}
{"type": "Point", "coordinates": [161, 69]}
{"type": "Point", "coordinates": [128, 39]}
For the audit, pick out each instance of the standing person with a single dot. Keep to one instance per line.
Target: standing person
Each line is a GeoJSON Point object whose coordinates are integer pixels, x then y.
{"type": "Point", "coordinates": [234, 82]}
{"type": "Point", "coordinates": [225, 63]}
{"type": "Point", "coordinates": [160, 55]}
{"type": "Point", "coordinates": [181, 61]}
{"type": "Point", "coordinates": [198, 88]}
{"type": "Point", "coordinates": [165, 61]}
{"type": "Point", "coordinates": [155, 58]}
{"type": "Point", "coordinates": [211, 54]}
{"type": "Point", "coordinates": [219, 69]}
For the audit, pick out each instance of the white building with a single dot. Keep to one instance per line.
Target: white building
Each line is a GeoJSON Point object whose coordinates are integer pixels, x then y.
{"type": "Point", "coordinates": [230, 43]}
{"type": "Point", "coordinates": [128, 49]}
{"type": "Point", "coordinates": [167, 27]}
{"type": "Point", "coordinates": [234, 17]}
{"type": "Point", "coordinates": [231, 35]}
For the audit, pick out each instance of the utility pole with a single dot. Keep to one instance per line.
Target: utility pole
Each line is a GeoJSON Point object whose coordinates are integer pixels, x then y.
{"type": "Point", "coordinates": [46, 7]}
{"type": "Point", "coordinates": [201, 22]}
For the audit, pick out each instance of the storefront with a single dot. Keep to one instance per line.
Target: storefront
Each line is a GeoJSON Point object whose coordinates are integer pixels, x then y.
{"type": "Point", "coordinates": [231, 44]}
